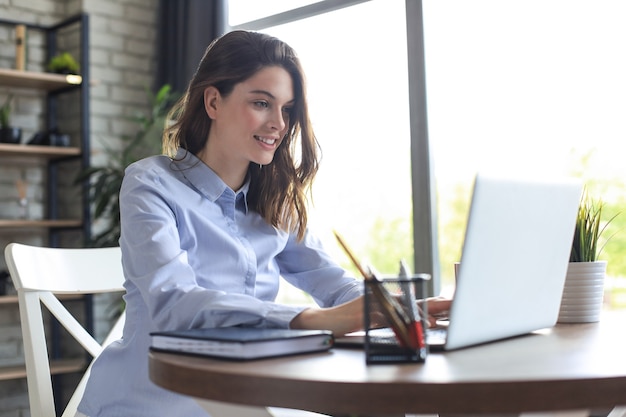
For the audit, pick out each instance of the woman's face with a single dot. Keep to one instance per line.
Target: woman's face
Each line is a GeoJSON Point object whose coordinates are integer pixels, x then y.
{"type": "Point", "coordinates": [249, 124]}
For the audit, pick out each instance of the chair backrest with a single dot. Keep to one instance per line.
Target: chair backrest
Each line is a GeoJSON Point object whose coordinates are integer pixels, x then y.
{"type": "Point", "coordinates": [40, 273]}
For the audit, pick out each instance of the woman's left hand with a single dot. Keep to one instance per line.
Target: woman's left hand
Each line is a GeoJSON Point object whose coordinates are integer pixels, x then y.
{"type": "Point", "coordinates": [438, 308]}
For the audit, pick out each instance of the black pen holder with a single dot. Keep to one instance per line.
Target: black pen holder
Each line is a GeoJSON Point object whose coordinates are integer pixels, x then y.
{"type": "Point", "coordinates": [395, 326]}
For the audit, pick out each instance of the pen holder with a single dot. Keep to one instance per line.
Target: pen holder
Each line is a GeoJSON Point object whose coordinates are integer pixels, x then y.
{"type": "Point", "coordinates": [394, 325]}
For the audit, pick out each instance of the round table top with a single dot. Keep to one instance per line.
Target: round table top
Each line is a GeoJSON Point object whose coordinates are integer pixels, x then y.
{"type": "Point", "coordinates": [571, 366]}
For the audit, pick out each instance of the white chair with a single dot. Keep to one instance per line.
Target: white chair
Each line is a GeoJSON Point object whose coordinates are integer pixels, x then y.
{"type": "Point", "coordinates": [39, 274]}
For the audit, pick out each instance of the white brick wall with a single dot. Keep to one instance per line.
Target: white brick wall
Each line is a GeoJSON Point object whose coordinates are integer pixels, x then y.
{"type": "Point", "coordinates": [123, 53]}
{"type": "Point", "coordinates": [122, 57]}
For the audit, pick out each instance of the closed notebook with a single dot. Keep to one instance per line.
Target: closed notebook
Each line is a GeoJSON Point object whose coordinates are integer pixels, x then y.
{"type": "Point", "coordinates": [243, 343]}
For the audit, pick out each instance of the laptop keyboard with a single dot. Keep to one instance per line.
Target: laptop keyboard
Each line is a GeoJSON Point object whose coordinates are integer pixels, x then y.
{"type": "Point", "coordinates": [436, 336]}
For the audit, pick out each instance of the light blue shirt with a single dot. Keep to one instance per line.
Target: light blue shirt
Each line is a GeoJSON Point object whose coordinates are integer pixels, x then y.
{"type": "Point", "coordinates": [195, 256]}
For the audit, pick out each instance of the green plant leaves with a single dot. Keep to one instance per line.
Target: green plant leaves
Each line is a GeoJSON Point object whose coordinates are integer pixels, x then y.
{"type": "Point", "coordinates": [5, 112]}
{"type": "Point", "coordinates": [588, 230]}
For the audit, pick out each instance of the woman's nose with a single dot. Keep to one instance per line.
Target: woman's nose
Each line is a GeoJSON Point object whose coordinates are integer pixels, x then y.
{"type": "Point", "coordinates": [277, 121]}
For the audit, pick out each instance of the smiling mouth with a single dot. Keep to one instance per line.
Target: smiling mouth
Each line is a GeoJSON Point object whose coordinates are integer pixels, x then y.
{"type": "Point", "coordinates": [267, 141]}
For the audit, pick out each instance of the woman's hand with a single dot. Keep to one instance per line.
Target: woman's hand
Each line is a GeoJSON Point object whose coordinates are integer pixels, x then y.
{"type": "Point", "coordinates": [438, 308]}
{"type": "Point", "coordinates": [348, 317]}
{"type": "Point", "coordinates": [341, 319]}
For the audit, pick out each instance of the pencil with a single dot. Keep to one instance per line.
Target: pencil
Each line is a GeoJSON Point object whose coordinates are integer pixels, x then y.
{"type": "Point", "coordinates": [355, 261]}
{"type": "Point", "coordinates": [393, 312]}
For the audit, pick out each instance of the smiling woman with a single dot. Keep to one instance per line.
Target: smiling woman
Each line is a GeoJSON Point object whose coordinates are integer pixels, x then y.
{"type": "Point", "coordinates": [207, 234]}
{"type": "Point", "coordinates": [248, 124]}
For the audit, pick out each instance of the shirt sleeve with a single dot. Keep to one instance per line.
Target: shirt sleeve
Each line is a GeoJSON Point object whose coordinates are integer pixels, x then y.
{"type": "Point", "coordinates": [308, 266]}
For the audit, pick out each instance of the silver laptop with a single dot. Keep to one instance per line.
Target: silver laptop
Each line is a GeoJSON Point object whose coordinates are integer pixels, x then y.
{"type": "Point", "coordinates": [515, 256]}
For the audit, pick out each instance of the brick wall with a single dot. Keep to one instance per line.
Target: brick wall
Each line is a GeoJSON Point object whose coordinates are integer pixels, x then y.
{"type": "Point", "coordinates": [122, 64]}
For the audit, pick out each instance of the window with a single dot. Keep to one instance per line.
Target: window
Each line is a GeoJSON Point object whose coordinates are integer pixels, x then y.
{"type": "Point", "coordinates": [242, 11]}
{"type": "Point", "coordinates": [357, 83]}
{"type": "Point", "coordinates": [535, 86]}
{"type": "Point", "coordinates": [525, 85]}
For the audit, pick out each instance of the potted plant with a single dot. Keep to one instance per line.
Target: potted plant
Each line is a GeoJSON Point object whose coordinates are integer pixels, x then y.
{"type": "Point", "coordinates": [63, 63]}
{"type": "Point", "coordinates": [106, 180]}
{"type": "Point", "coordinates": [583, 292]}
{"type": "Point", "coordinates": [8, 134]}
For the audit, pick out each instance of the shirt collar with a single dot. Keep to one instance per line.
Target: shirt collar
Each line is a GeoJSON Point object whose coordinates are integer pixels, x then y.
{"type": "Point", "coordinates": [205, 180]}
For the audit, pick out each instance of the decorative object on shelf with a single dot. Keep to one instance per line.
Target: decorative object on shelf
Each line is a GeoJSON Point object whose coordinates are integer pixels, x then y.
{"type": "Point", "coordinates": [63, 63]}
{"type": "Point", "coordinates": [50, 138]}
{"type": "Point", "coordinates": [106, 180]}
{"type": "Point", "coordinates": [22, 197]}
{"type": "Point", "coordinates": [583, 293]}
{"type": "Point", "coordinates": [8, 134]}
{"type": "Point", "coordinates": [20, 47]}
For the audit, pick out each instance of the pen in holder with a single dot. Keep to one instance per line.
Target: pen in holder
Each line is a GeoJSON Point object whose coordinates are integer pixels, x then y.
{"type": "Point", "coordinates": [394, 325]}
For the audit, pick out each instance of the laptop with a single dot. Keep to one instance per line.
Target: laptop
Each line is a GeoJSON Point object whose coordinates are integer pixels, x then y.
{"type": "Point", "coordinates": [514, 260]}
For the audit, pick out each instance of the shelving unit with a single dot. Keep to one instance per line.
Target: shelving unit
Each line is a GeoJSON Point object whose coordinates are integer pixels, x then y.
{"type": "Point", "coordinates": [50, 158]}
{"type": "Point", "coordinates": [53, 85]}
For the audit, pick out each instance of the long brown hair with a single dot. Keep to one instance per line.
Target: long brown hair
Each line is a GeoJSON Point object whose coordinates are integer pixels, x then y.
{"type": "Point", "coordinates": [278, 191]}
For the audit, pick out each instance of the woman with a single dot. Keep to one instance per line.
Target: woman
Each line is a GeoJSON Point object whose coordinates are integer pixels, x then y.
{"type": "Point", "coordinates": [208, 230]}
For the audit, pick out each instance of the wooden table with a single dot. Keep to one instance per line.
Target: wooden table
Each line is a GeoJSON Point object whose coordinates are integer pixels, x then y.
{"type": "Point", "coordinates": [572, 366]}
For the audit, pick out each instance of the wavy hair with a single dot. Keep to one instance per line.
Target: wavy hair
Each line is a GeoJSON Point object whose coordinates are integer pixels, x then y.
{"type": "Point", "coordinates": [278, 191]}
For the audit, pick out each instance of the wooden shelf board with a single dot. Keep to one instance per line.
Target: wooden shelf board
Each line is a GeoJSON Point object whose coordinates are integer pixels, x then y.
{"type": "Point", "coordinates": [44, 152]}
{"type": "Point", "coordinates": [17, 223]}
{"type": "Point", "coordinates": [61, 366]}
{"type": "Point", "coordinates": [12, 299]}
{"type": "Point", "coordinates": [8, 299]}
{"type": "Point", "coordinates": [40, 80]}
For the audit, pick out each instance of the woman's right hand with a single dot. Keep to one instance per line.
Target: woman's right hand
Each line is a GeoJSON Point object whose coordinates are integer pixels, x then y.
{"type": "Point", "coordinates": [341, 319]}
{"type": "Point", "coordinates": [348, 317]}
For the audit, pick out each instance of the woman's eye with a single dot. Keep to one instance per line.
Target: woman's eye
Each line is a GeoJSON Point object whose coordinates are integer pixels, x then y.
{"type": "Point", "coordinates": [262, 104]}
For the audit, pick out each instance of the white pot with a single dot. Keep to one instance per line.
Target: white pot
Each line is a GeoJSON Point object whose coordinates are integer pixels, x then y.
{"type": "Point", "coordinates": [583, 292]}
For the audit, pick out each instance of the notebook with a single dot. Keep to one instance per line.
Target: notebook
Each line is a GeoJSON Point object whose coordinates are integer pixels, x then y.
{"type": "Point", "coordinates": [242, 343]}
{"type": "Point", "coordinates": [514, 260]}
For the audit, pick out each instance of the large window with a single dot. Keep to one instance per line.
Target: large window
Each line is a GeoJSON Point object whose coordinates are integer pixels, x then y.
{"type": "Point", "coordinates": [357, 82]}
{"type": "Point", "coordinates": [535, 86]}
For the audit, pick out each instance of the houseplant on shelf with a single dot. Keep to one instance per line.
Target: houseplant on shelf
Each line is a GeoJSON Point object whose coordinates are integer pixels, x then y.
{"type": "Point", "coordinates": [583, 293]}
{"type": "Point", "coordinates": [63, 63]}
{"type": "Point", "coordinates": [8, 134]}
